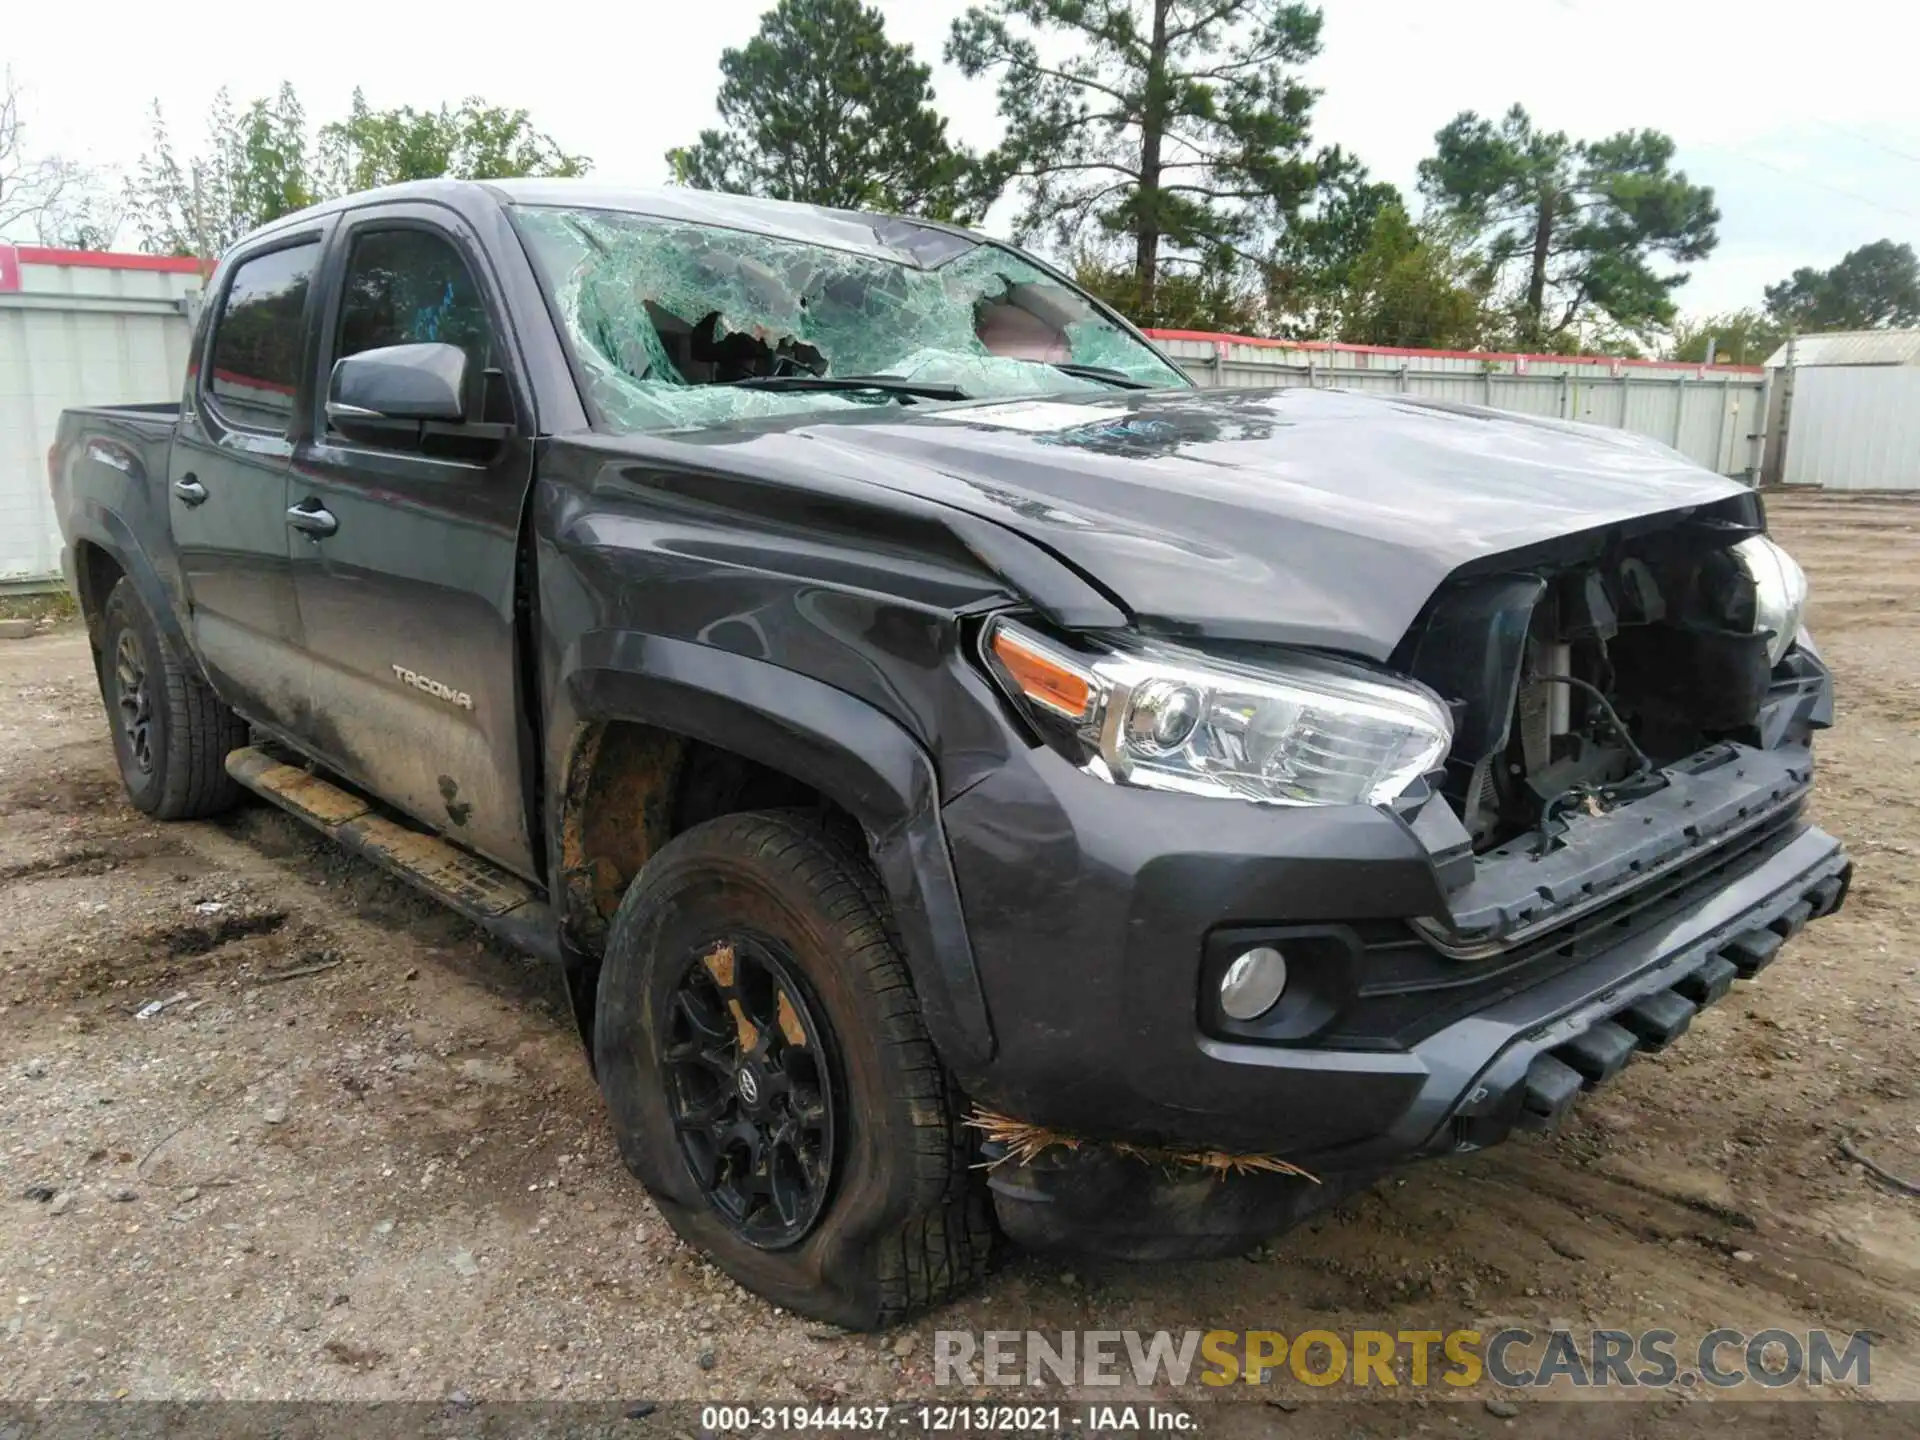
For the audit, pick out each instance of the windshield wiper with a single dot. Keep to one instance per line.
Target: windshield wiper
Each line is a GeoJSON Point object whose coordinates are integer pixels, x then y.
{"type": "Point", "coordinates": [1099, 372]}
{"type": "Point", "coordinates": [883, 384]}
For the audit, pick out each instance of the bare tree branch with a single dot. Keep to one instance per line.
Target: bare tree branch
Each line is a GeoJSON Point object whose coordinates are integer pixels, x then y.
{"type": "Point", "coordinates": [27, 186]}
{"type": "Point", "coordinates": [1112, 165]}
{"type": "Point", "coordinates": [1083, 82]}
{"type": "Point", "coordinates": [87, 215]}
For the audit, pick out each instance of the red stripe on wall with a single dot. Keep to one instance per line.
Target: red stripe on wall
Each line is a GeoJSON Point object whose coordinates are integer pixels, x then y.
{"type": "Point", "coordinates": [109, 260]}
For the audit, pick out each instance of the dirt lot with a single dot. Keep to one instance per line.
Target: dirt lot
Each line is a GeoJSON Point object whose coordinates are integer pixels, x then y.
{"type": "Point", "coordinates": [362, 1157]}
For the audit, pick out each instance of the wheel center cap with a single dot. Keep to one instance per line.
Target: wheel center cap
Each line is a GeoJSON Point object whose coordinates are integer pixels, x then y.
{"type": "Point", "coordinates": [749, 1085]}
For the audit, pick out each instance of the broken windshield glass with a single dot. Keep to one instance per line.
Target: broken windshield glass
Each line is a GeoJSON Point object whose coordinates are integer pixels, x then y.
{"type": "Point", "coordinates": [665, 317]}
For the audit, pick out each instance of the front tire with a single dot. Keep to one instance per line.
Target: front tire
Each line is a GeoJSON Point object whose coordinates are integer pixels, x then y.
{"type": "Point", "coordinates": [770, 1080]}
{"type": "Point", "coordinates": [171, 733]}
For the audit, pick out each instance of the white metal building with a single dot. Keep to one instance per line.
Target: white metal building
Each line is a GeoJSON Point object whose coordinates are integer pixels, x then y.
{"type": "Point", "coordinates": [76, 328]}
{"type": "Point", "coordinates": [1849, 408]}
{"type": "Point", "coordinates": [1713, 414]}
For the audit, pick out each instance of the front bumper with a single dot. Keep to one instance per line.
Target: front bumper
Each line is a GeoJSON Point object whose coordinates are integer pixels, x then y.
{"type": "Point", "coordinates": [1092, 949]}
{"type": "Point", "coordinates": [1517, 1065]}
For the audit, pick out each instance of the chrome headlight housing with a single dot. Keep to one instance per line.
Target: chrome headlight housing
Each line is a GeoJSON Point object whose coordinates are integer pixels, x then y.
{"type": "Point", "coordinates": [1303, 731]}
{"type": "Point", "coordinates": [1779, 592]}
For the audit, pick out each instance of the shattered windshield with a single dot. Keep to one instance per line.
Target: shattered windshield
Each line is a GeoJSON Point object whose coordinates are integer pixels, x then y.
{"type": "Point", "coordinates": [676, 323]}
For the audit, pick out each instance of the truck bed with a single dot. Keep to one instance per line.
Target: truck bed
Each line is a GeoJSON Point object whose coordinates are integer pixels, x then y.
{"type": "Point", "coordinates": [149, 421]}
{"type": "Point", "coordinates": [114, 458]}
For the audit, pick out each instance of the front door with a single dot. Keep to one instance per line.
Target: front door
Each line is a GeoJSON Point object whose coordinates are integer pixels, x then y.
{"type": "Point", "coordinates": [227, 484]}
{"type": "Point", "coordinates": [406, 578]}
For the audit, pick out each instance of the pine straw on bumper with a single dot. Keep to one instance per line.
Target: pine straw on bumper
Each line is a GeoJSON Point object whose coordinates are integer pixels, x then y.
{"type": "Point", "coordinates": [1024, 1143]}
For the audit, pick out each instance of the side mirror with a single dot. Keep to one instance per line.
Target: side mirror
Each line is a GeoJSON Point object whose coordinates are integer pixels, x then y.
{"type": "Point", "coordinates": [400, 382]}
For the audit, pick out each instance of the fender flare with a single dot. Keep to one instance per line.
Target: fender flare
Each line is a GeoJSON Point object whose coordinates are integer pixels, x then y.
{"type": "Point", "coordinates": [95, 524]}
{"type": "Point", "coordinates": [825, 738]}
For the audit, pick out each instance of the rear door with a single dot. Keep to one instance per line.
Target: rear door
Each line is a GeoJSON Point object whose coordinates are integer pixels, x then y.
{"type": "Point", "coordinates": [228, 475]}
{"type": "Point", "coordinates": [407, 590]}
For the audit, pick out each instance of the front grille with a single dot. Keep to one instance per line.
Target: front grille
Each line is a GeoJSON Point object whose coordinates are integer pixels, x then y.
{"type": "Point", "coordinates": [1411, 990]}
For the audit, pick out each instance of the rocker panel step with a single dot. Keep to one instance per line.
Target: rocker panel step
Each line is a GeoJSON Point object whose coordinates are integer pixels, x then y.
{"type": "Point", "coordinates": [477, 889]}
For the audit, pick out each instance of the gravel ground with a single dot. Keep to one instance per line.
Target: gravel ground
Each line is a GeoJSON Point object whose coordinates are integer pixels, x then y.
{"type": "Point", "coordinates": [356, 1154]}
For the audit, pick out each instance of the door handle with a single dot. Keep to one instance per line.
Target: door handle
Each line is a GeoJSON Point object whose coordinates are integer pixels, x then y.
{"type": "Point", "coordinates": [190, 490]}
{"type": "Point", "coordinates": [314, 518]}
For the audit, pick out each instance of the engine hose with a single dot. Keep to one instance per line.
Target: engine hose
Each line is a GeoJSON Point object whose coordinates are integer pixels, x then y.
{"type": "Point", "coordinates": [1613, 716]}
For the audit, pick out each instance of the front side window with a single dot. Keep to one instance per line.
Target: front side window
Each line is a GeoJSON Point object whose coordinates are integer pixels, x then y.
{"type": "Point", "coordinates": [256, 341]}
{"type": "Point", "coordinates": [410, 287]}
{"type": "Point", "coordinates": [677, 323]}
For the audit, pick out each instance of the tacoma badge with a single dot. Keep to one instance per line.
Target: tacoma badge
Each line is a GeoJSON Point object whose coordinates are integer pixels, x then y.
{"type": "Point", "coordinates": [433, 687]}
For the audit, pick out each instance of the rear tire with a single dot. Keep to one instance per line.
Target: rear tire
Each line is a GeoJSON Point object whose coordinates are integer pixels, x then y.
{"type": "Point", "coordinates": [816, 1003]}
{"type": "Point", "coordinates": [171, 734]}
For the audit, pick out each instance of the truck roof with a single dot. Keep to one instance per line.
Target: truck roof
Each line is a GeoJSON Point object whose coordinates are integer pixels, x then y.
{"type": "Point", "coordinates": [889, 236]}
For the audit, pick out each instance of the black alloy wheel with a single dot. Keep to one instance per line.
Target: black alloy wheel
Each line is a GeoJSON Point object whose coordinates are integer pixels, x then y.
{"type": "Point", "coordinates": [135, 701]}
{"type": "Point", "coordinates": [751, 1090]}
{"type": "Point", "coordinates": [171, 734]}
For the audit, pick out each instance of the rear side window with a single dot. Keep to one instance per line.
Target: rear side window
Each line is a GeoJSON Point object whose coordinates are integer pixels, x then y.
{"type": "Point", "coordinates": [256, 341]}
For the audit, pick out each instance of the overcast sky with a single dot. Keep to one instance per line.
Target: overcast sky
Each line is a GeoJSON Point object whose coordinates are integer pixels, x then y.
{"type": "Point", "coordinates": [1804, 118]}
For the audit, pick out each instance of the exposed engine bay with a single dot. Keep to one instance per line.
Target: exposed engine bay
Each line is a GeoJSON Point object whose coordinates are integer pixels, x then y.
{"type": "Point", "coordinates": [1576, 680]}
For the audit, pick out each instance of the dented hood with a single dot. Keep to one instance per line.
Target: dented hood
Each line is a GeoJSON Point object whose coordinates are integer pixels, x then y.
{"type": "Point", "coordinates": [1297, 516]}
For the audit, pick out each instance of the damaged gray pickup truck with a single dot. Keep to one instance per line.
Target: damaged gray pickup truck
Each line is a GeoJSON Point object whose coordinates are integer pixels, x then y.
{"type": "Point", "coordinates": [924, 730]}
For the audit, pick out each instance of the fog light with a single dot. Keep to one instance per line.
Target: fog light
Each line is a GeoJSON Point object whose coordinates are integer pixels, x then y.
{"type": "Point", "coordinates": [1253, 983]}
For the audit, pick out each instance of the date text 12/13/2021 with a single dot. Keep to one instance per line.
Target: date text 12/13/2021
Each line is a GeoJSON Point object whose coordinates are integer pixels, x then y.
{"type": "Point", "coordinates": [944, 1419]}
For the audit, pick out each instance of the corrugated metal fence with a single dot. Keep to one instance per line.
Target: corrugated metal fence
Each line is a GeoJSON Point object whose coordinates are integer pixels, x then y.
{"type": "Point", "coordinates": [1715, 415]}
{"type": "Point", "coordinates": [76, 328]}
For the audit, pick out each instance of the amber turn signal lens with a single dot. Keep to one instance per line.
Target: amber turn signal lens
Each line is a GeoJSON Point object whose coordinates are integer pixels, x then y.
{"type": "Point", "coordinates": [1043, 679]}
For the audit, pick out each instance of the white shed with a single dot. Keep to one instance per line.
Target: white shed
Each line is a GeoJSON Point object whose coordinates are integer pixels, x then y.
{"type": "Point", "coordinates": [1850, 409]}
{"type": "Point", "coordinates": [76, 328]}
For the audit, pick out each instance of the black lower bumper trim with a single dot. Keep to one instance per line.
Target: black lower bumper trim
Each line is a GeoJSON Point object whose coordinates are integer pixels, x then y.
{"type": "Point", "coordinates": [1656, 1020]}
{"type": "Point", "coordinates": [1647, 1021]}
{"type": "Point", "coordinates": [1795, 920]}
{"type": "Point", "coordinates": [1754, 951]}
{"type": "Point", "coordinates": [1599, 1053]}
{"type": "Point", "coordinates": [1552, 1086]}
{"type": "Point", "coordinates": [1709, 983]}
